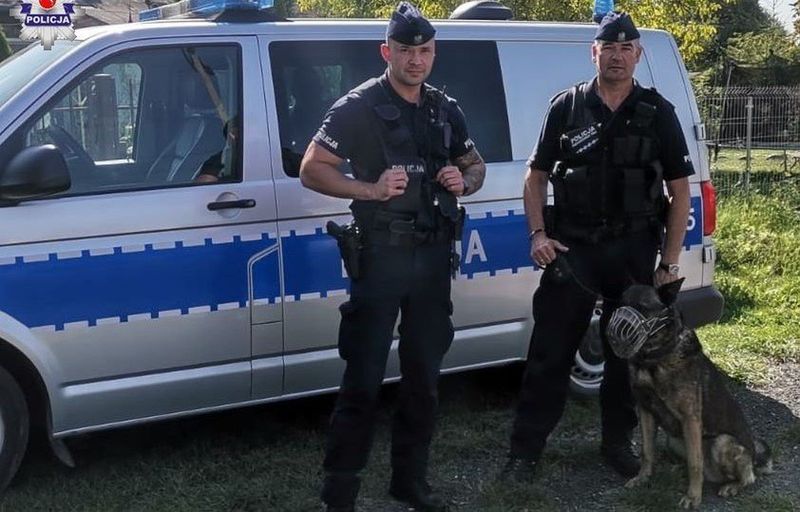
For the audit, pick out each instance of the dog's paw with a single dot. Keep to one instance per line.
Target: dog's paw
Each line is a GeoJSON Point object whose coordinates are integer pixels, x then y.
{"type": "Point", "coordinates": [728, 490]}
{"type": "Point", "coordinates": [636, 481]}
{"type": "Point", "coordinates": [690, 502]}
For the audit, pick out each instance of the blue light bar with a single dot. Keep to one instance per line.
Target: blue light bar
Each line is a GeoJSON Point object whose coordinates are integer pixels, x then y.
{"type": "Point", "coordinates": [202, 8]}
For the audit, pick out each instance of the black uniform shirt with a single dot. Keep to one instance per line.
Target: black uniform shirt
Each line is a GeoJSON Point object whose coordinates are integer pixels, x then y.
{"type": "Point", "coordinates": [673, 153]}
{"type": "Point", "coordinates": [349, 130]}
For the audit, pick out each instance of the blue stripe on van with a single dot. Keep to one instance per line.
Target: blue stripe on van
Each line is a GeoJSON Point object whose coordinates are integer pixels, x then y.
{"type": "Point", "coordinates": [59, 291]}
{"type": "Point", "coordinates": [56, 291]}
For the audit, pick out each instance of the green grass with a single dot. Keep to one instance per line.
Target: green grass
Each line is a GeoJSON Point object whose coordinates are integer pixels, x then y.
{"type": "Point", "coordinates": [758, 273]}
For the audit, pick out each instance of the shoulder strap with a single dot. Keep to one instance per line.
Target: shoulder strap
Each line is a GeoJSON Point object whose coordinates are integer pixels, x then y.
{"type": "Point", "coordinates": [646, 108]}
{"type": "Point", "coordinates": [372, 92]}
{"type": "Point", "coordinates": [579, 114]}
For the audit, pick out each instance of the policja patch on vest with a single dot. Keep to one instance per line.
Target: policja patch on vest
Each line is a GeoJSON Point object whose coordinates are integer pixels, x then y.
{"type": "Point", "coordinates": [408, 26]}
{"type": "Point", "coordinates": [616, 27]}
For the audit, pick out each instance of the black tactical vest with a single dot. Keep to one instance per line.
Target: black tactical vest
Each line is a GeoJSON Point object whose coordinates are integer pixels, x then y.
{"type": "Point", "coordinates": [608, 177]}
{"type": "Point", "coordinates": [424, 198]}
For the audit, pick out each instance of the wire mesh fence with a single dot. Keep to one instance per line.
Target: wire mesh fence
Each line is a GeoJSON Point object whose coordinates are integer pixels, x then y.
{"type": "Point", "coordinates": [753, 137]}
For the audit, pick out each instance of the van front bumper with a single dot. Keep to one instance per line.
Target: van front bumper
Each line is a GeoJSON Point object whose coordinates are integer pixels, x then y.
{"type": "Point", "coordinates": [700, 306]}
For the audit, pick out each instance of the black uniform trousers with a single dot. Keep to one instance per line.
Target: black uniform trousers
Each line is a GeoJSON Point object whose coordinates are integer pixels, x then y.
{"type": "Point", "coordinates": [413, 280]}
{"type": "Point", "coordinates": [562, 311]}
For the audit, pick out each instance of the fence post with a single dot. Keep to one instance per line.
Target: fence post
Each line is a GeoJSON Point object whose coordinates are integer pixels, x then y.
{"type": "Point", "coordinates": [748, 144]}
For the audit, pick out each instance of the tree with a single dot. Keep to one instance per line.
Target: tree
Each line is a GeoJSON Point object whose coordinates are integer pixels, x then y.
{"type": "Point", "coordinates": [692, 22]}
{"type": "Point", "coordinates": [5, 51]}
{"type": "Point", "coordinates": [796, 6]}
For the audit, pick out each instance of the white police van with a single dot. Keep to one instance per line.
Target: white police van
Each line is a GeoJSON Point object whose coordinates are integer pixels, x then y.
{"type": "Point", "coordinates": [159, 257]}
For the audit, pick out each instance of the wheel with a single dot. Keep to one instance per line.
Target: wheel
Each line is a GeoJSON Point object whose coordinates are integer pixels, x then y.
{"type": "Point", "coordinates": [587, 372]}
{"type": "Point", "coordinates": [14, 426]}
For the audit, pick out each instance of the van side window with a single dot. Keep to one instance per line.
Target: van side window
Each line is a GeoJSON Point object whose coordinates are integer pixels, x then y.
{"type": "Point", "coordinates": [309, 76]}
{"type": "Point", "coordinates": [148, 118]}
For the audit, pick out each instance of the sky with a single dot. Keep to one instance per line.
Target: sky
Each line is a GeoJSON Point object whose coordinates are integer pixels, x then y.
{"type": "Point", "coordinates": [782, 10]}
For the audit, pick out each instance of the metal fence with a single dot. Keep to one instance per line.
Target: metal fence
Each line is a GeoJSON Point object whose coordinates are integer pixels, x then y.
{"type": "Point", "coordinates": [753, 136]}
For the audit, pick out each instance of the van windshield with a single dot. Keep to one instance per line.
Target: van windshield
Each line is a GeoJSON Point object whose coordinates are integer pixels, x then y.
{"type": "Point", "coordinates": [23, 66]}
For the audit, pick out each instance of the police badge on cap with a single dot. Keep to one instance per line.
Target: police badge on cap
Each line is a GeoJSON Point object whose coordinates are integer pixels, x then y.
{"type": "Point", "coordinates": [408, 26]}
{"type": "Point", "coordinates": [616, 27]}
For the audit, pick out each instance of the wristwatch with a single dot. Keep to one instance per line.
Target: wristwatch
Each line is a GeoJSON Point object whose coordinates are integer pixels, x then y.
{"type": "Point", "coordinates": [670, 268]}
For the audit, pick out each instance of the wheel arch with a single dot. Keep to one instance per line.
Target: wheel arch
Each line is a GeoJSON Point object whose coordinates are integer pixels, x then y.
{"type": "Point", "coordinates": [30, 382]}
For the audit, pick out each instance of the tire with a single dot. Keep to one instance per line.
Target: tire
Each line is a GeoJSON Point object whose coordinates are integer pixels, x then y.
{"type": "Point", "coordinates": [14, 427]}
{"type": "Point", "coordinates": [587, 371]}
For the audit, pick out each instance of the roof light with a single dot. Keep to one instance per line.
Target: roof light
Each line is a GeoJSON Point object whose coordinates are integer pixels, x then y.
{"type": "Point", "coordinates": [202, 8]}
{"type": "Point", "coordinates": [601, 8]}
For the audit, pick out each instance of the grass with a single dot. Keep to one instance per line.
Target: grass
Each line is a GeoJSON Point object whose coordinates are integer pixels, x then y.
{"type": "Point", "coordinates": [758, 273]}
{"type": "Point", "coordinates": [268, 458]}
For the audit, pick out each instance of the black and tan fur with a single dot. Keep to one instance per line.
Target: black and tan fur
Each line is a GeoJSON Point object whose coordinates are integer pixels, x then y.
{"type": "Point", "coordinates": [679, 389]}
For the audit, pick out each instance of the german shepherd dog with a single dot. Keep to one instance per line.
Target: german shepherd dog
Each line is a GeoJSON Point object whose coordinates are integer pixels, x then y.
{"type": "Point", "coordinates": [677, 388]}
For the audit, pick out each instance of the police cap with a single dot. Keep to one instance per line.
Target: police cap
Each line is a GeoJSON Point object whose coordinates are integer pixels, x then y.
{"type": "Point", "coordinates": [616, 27]}
{"type": "Point", "coordinates": [408, 26]}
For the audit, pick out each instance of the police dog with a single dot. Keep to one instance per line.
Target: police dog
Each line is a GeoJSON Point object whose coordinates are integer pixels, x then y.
{"type": "Point", "coordinates": [679, 389]}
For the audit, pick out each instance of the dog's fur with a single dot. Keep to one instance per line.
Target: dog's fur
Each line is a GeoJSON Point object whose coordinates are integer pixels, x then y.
{"type": "Point", "coordinates": [679, 389]}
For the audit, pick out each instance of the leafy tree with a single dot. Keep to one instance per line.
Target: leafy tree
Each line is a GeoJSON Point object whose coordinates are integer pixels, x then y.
{"type": "Point", "coordinates": [692, 22]}
{"type": "Point", "coordinates": [796, 6]}
{"type": "Point", "coordinates": [5, 51]}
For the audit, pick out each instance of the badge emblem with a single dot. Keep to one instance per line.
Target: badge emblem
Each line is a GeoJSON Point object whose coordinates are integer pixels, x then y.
{"type": "Point", "coordinates": [418, 39]}
{"type": "Point", "coordinates": [621, 36]}
{"type": "Point", "coordinates": [46, 20]}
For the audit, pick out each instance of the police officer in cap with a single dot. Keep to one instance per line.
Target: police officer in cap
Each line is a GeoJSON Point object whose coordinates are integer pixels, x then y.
{"type": "Point", "coordinates": [607, 146]}
{"type": "Point", "coordinates": [411, 156]}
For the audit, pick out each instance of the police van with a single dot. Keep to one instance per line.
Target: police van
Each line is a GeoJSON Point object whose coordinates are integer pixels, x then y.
{"type": "Point", "coordinates": [159, 256]}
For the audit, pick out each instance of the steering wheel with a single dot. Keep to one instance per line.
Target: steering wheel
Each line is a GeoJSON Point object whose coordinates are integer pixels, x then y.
{"type": "Point", "coordinates": [76, 157]}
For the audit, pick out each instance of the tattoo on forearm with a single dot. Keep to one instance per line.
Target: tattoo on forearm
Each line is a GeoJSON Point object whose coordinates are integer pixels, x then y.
{"type": "Point", "coordinates": [472, 168]}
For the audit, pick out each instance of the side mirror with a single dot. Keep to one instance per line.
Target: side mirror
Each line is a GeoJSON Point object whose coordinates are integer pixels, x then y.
{"type": "Point", "coordinates": [35, 171]}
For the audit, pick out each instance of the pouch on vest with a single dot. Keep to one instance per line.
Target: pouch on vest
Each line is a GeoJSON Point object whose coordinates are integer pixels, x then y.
{"type": "Point", "coordinates": [572, 189]}
{"type": "Point", "coordinates": [440, 133]}
{"type": "Point", "coordinates": [642, 192]}
{"type": "Point", "coordinates": [633, 150]}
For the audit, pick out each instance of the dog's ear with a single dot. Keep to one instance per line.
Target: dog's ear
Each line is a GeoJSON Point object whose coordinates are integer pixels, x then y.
{"type": "Point", "coordinates": [668, 293]}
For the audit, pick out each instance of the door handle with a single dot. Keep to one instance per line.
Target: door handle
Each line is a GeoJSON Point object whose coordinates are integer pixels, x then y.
{"type": "Point", "coordinates": [226, 205]}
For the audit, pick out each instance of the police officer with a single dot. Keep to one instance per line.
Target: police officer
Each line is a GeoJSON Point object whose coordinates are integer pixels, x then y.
{"type": "Point", "coordinates": [411, 156]}
{"type": "Point", "coordinates": [608, 146]}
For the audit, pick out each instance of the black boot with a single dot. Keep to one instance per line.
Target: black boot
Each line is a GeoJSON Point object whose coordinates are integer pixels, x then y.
{"type": "Point", "coordinates": [339, 491]}
{"type": "Point", "coordinates": [519, 469]}
{"type": "Point", "coordinates": [346, 508]}
{"type": "Point", "coordinates": [622, 458]}
{"type": "Point", "coordinates": [417, 493]}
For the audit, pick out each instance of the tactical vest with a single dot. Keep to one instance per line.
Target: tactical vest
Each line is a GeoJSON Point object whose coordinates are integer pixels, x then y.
{"type": "Point", "coordinates": [608, 177]}
{"type": "Point", "coordinates": [424, 200]}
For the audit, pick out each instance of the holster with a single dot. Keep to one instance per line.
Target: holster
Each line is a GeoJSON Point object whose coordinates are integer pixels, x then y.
{"type": "Point", "coordinates": [348, 238]}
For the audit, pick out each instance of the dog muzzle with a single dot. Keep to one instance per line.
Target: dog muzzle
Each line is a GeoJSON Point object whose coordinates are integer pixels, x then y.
{"type": "Point", "coordinates": [628, 329]}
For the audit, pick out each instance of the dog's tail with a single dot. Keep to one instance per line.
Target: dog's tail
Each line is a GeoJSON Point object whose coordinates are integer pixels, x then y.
{"type": "Point", "coordinates": [763, 457]}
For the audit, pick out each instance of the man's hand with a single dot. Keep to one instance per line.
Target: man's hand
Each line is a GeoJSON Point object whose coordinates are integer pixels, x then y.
{"type": "Point", "coordinates": [544, 250]}
{"type": "Point", "coordinates": [392, 183]}
{"type": "Point", "coordinates": [451, 179]}
{"type": "Point", "coordinates": [662, 277]}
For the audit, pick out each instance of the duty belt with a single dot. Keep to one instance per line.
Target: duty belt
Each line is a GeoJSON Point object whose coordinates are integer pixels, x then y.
{"type": "Point", "coordinates": [390, 228]}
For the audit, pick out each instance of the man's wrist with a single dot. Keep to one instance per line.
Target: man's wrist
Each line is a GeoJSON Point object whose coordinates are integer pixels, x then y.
{"type": "Point", "coordinates": [534, 232]}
